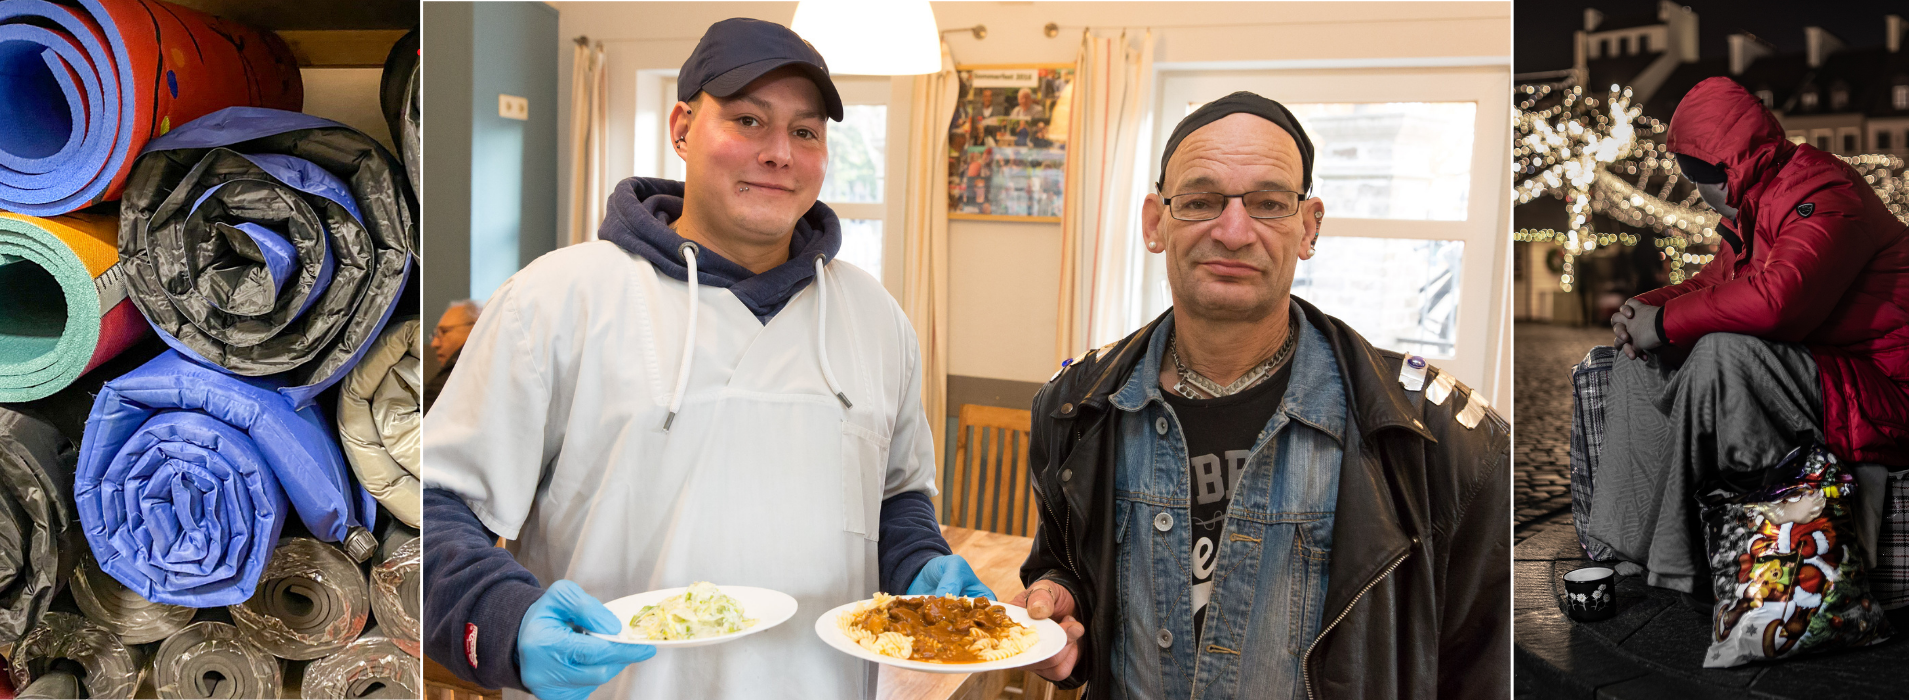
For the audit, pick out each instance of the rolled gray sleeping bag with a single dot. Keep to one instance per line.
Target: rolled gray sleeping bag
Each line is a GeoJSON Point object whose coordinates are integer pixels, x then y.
{"type": "Point", "coordinates": [37, 519]}
{"type": "Point", "coordinates": [112, 605]}
{"type": "Point", "coordinates": [311, 601]}
{"type": "Point", "coordinates": [210, 659]}
{"type": "Point", "coordinates": [396, 594]}
{"type": "Point", "coordinates": [69, 643]}
{"type": "Point", "coordinates": [53, 685]}
{"type": "Point", "coordinates": [370, 667]}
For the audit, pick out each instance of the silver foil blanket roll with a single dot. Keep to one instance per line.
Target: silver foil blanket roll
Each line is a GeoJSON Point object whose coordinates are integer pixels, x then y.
{"type": "Point", "coordinates": [210, 659]}
{"type": "Point", "coordinates": [112, 605]}
{"type": "Point", "coordinates": [370, 667]}
{"type": "Point", "coordinates": [396, 594]}
{"type": "Point", "coordinates": [64, 642]}
{"type": "Point", "coordinates": [311, 601]}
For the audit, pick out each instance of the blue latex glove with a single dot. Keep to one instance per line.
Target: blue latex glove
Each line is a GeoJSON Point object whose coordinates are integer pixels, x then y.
{"type": "Point", "coordinates": [556, 661]}
{"type": "Point", "coordinates": [948, 574]}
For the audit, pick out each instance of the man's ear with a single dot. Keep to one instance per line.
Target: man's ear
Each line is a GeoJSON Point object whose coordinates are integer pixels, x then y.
{"type": "Point", "coordinates": [679, 118]}
{"type": "Point", "coordinates": [1150, 212]}
{"type": "Point", "coordinates": [1311, 213]}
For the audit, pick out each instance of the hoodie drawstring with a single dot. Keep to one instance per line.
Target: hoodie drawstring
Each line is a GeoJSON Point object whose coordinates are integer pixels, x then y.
{"type": "Point", "coordinates": [688, 249]}
{"type": "Point", "coordinates": [822, 334]}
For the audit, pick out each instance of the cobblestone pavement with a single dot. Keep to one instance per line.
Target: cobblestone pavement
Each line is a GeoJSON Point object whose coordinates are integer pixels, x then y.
{"type": "Point", "coordinates": [1541, 400]}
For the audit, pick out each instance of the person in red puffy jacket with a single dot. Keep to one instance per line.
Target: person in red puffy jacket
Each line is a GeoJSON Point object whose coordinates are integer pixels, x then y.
{"type": "Point", "coordinates": [1796, 332]}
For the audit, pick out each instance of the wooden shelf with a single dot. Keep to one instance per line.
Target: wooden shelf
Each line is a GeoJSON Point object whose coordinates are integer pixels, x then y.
{"type": "Point", "coordinates": [281, 15]}
{"type": "Point", "coordinates": [341, 48]}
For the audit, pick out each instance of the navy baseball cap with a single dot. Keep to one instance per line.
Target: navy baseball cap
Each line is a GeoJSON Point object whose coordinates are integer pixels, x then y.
{"type": "Point", "coordinates": [735, 52]}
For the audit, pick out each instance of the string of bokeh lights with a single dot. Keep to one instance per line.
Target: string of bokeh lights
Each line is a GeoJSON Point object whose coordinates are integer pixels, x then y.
{"type": "Point", "coordinates": [1598, 155]}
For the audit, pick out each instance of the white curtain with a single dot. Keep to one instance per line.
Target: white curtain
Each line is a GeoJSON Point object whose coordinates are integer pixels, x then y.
{"type": "Point", "coordinates": [1102, 255]}
{"type": "Point", "coordinates": [589, 117]}
{"type": "Point", "coordinates": [925, 236]}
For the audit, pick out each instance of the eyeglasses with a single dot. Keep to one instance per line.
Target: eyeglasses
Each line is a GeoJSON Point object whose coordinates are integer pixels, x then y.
{"type": "Point", "coordinates": [1260, 204]}
{"type": "Point", "coordinates": [442, 329]}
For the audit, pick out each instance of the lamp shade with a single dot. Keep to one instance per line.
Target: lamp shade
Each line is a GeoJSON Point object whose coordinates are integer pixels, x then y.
{"type": "Point", "coordinates": [871, 37]}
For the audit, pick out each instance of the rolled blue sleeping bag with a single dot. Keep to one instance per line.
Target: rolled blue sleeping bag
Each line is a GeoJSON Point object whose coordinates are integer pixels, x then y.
{"type": "Point", "coordinates": [187, 475]}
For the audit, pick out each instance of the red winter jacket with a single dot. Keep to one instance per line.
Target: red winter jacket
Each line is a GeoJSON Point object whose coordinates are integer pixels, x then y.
{"type": "Point", "coordinates": [1821, 261]}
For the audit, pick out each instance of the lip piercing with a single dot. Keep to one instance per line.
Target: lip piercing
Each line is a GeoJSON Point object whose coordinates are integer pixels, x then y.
{"type": "Point", "coordinates": [744, 188]}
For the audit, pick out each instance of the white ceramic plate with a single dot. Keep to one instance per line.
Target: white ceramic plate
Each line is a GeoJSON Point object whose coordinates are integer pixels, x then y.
{"type": "Point", "coordinates": [769, 608]}
{"type": "Point", "coordinates": [1053, 639]}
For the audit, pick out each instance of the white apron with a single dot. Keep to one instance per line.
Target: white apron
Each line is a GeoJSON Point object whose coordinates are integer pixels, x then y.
{"type": "Point", "coordinates": [763, 478]}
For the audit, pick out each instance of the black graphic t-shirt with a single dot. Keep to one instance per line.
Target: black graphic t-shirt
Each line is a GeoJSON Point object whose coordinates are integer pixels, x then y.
{"type": "Point", "coordinates": [1219, 437]}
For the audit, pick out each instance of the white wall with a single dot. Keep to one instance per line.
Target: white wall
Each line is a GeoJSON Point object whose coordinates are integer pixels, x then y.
{"type": "Point", "coordinates": [1005, 277]}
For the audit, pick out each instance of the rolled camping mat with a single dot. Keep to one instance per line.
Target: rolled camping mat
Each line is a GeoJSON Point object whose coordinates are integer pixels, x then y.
{"type": "Point", "coordinates": [268, 242]}
{"type": "Point", "coordinates": [379, 420]}
{"type": "Point", "coordinates": [396, 594]}
{"type": "Point", "coordinates": [36, 549]}
{"type": "Point", "coordinates": [54, 685]}
{"type": "Point", "coordinates": [115, 607]}
{"type": "Point", "coordinates": [188, 475]}
{"type": "Point", "coordinates": [369, 667]}
{"type": "Point", "coordinates": [398, 96]}
{"type": "Point", "coordinates": [211, 659]}
{"type": "Point", "coordinates": [91, 82]}
{"type": "Point", "coordinates": [66, 310]}
{"type": "Point", "coordinates": [392, 535]}
{"type": "Point", "coordinates": [65, 642]}
{"type": "Point", "coordinates": [312, 601]}
{"type": "Point", "coordinates": [411, 141]}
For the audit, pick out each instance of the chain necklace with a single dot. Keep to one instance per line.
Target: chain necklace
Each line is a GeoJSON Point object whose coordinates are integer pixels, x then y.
{"type": "Point", "coordinates": [1191, 381]}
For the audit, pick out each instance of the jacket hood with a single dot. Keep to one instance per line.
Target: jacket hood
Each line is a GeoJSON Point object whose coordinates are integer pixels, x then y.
{"type": "Point", "coordinates": [1720, 122]}
{"type": "Point", "coordinates": [637, 220]}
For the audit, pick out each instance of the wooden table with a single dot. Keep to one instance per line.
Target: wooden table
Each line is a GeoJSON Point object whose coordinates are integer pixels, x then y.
{"type": "Point", "coordinates": [996, 559]}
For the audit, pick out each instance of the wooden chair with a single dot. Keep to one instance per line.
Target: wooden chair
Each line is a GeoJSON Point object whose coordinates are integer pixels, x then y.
{"type": "Point", "coordinates": [987, 488]}
{"type": "Point", "coordinates": [440, 684]}
{"type": "Point", "coordinates": [1033, 687]}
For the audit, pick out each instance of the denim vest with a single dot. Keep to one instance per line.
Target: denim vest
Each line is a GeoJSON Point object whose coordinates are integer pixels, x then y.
{"type": "Point", "coordinates": [1269, 581]}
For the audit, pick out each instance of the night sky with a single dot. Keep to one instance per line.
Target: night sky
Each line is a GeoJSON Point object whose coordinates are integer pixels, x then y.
{"type": "Point", "coordinates": [1542, 41]}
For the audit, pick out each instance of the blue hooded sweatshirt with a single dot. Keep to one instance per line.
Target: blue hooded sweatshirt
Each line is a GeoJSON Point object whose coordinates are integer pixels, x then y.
{"type": "Point", "coordinates": [638, 218]}
{"type": "Point", "coordinates": [477, 593]}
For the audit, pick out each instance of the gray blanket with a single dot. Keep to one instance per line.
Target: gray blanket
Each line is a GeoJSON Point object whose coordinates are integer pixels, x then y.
{"type": "Point", "coordinates": [1736, 403]}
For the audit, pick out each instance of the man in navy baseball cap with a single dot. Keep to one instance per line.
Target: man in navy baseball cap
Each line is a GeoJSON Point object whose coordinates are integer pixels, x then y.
{"type": "Point", "coordinates": [677, 432]}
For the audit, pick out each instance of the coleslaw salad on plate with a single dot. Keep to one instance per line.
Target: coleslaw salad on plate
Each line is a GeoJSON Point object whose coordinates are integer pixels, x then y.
{"type": "Point", "coordinates": [696, 615]}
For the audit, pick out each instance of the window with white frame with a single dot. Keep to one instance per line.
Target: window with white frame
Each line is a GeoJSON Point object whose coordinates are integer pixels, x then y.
{"type": "Point", "coordinates": [857, 185]}
{"type": "Point", "coordinates": [1407, 162]}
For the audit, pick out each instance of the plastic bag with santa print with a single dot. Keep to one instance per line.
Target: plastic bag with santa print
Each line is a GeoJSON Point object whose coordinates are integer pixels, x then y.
{"type": "Point", "coordinates": [1785, 564]}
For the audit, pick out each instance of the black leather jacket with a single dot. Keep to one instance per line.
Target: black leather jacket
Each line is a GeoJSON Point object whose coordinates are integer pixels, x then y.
{"type": "Point", "coordinates": [1419, 599]}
